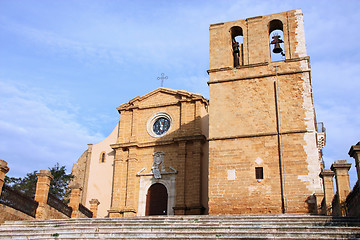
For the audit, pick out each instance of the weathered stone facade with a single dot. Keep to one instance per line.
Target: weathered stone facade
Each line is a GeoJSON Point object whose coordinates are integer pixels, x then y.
{"type": "Point", "coordinates": [261, 116]}
{"type": "Point", "coordinates": [255, 151]}
{"type": "Point", "coordinates": [181, 148]}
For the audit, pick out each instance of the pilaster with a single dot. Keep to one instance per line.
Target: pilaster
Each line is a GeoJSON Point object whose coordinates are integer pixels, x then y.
{"type": "Point", "coordinates": [119, 189]}
{"type": "Point", "coordinates": [129, 210]}
{"type": "Point", "coordinates": [180, 207]}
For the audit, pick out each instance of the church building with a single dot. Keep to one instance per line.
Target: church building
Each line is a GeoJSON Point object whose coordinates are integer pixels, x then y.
{"type": "Point", "coordinates": [253, 149]}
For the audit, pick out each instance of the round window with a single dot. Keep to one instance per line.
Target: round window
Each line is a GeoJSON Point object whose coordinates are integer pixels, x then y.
{"type": "Point", "coordinates": [159, 124]}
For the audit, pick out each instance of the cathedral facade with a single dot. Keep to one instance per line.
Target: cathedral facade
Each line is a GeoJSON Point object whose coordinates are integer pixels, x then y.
{"type": "Point", "coordinates": [254, 149]}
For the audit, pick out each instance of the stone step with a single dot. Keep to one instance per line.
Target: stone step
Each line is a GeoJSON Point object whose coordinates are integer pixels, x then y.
{"type": "Point", "coordinates": [187, 227]}
{"type": "Point", "coordinates": [185, 230]}
{"type": "Point", "coordinates": [172, 219]}
{"type": "Point", "coordinates": [185, 223]}
{"type": "Point", "coordinates": [181, 235]}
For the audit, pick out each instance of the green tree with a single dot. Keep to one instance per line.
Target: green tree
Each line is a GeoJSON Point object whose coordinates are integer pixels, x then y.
{"type": "Point", "coordinates": [27, 184]}
{"type": "Point", "coordinates": [58, 185]}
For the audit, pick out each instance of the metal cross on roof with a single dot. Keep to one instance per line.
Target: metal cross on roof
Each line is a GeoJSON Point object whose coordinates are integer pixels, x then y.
{"type": "Point", "coordinates": [162, 78]}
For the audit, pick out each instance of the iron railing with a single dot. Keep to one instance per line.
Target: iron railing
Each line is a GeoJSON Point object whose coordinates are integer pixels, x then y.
{"type": "Point", "coordinates": [84, 210]}
{"type": "Point", "coordinates": [320, 127]}
{"type": "Point", "coordinates": [18, 201]}
{"type": "Point", "coordinates": [59, 205]}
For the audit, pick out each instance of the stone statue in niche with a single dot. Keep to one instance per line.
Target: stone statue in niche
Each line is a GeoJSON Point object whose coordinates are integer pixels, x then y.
{"type": "Point", "coordinates": [158, 160]}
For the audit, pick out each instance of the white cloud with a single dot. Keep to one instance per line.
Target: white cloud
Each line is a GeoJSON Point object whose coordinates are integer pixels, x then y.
{"type": "Point", "coordinates": [37, 130]}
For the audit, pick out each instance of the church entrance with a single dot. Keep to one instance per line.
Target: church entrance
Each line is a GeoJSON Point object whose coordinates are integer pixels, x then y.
{"type": "Point", "coordinates": [156, 200]}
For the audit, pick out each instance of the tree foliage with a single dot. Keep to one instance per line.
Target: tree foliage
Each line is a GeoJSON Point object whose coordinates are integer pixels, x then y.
{"type": "Point", "coordinates": [27, 184]}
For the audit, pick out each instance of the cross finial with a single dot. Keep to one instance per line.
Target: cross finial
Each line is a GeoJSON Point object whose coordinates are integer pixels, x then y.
{"type": "Point", "coordinates": [162, 78]}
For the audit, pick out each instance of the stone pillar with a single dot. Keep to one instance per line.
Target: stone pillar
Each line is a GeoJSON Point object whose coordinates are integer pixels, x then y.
{"type": "Point", "coordinates": [319, 196]}
{"type": "Point", "coordinates": [75, 200]}
{"type": "Point", "coordinates": [3, 170]}
{"type": "Point", "coordinates": [94, 203]}
{"type": "Point", "coordinates": [355, 153]}
{"type": "Point", "coordinates": [327, 176]}
{"type": "Point", "coordinates": [341, 169]}
{"type": "Point", "coordinates": [42, 191]}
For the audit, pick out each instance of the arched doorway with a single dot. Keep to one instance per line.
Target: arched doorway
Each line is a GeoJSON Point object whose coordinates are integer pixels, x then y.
{"type": "Point", "coordinates": [156, 200]}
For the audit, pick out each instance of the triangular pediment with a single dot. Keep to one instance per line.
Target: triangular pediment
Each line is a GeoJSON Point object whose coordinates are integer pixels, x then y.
{"type": "Point", "coordinates": [160, 97]}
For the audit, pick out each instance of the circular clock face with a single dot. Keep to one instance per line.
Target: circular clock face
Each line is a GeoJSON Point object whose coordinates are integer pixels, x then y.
{"type": "Point", "coordinates": [161, 126]}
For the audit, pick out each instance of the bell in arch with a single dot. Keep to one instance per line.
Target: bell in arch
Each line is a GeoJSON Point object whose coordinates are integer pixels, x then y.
{"type": "Point", "coordinates": [276, 40]}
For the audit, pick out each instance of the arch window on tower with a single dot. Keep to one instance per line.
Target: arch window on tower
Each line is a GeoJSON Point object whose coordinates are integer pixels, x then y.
{"type": "Point", "coordinates": [237, 45]}
{"type": "Point", "coordinates": [276, 36]}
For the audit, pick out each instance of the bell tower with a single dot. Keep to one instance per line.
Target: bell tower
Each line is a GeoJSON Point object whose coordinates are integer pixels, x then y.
{"type": "Point", "coordinates": [263, 155]}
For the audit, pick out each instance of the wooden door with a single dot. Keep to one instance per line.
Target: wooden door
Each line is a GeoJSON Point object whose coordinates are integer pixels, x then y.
{"type": "Point", "coordinates": [156, 200]}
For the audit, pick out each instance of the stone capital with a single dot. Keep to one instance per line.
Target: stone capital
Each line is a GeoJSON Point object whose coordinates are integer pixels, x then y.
{"type": "Point", "coordinates": [94, 202]}
{"type": "Point", "coordinates": [44, 173]}
{"type": "Point", "coordinates": [326, 173]}
{"type": "Point", "coordinates": [3, 166]}
{"type": "Point", "coordinates": [340, 164]}
{"type": "Point", "coordinates": [354, 150]}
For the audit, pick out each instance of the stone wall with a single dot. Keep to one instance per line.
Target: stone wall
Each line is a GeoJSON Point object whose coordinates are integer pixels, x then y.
{"type": "Point", "coordinates": [52, 213]}
{"type": "Point", "coordinates": [353, 202]}
{"type": "Point", "coordinates": [11, 214]}
{"type": "Point", "coordinates": [182, 147]}
{"type": "Point", "coordinates": [261, 116]}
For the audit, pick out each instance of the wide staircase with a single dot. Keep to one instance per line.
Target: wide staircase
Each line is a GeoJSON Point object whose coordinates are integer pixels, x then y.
{"type": "Point", "coordinates": [187, 227]}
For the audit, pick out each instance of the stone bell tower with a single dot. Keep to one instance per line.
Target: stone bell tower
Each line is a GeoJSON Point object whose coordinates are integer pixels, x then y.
{"type": "Point", "coordinates": [263, 155]}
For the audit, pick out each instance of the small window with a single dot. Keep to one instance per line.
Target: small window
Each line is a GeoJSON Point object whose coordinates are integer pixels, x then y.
{"type": "Point", "coordinates": [259, 173]}
{"type": "Point", "coordinates": [102, 157]}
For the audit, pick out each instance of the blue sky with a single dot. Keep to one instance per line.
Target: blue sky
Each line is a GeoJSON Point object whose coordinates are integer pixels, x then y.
{"type": "Point", "coordinates": [66, 65]}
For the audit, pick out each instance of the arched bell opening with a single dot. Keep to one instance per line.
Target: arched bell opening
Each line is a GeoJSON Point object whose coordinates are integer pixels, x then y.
{"type": "Point", "coordinates": [276, 37]}
{"type": "Point", "coordinates": [237, 45]}
{"type": "Point", "coordinates": [156, 200]}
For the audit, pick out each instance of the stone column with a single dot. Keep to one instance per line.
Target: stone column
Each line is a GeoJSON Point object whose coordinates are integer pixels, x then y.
{"type": "Point", "coordinates": [3, 170]}
{"type": "Point", "coordinates": [355, 153]}
{"type": "Point", "coordinates": [94, 203]}
{"type": "Point", "coordinates": [327, 176]}
{"type": "Point", "coordinates": [341, 169]}
{"type": "Point", "coordinates": [75, 200]}
{"type": "Point", "coordinates": [42, 191]}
